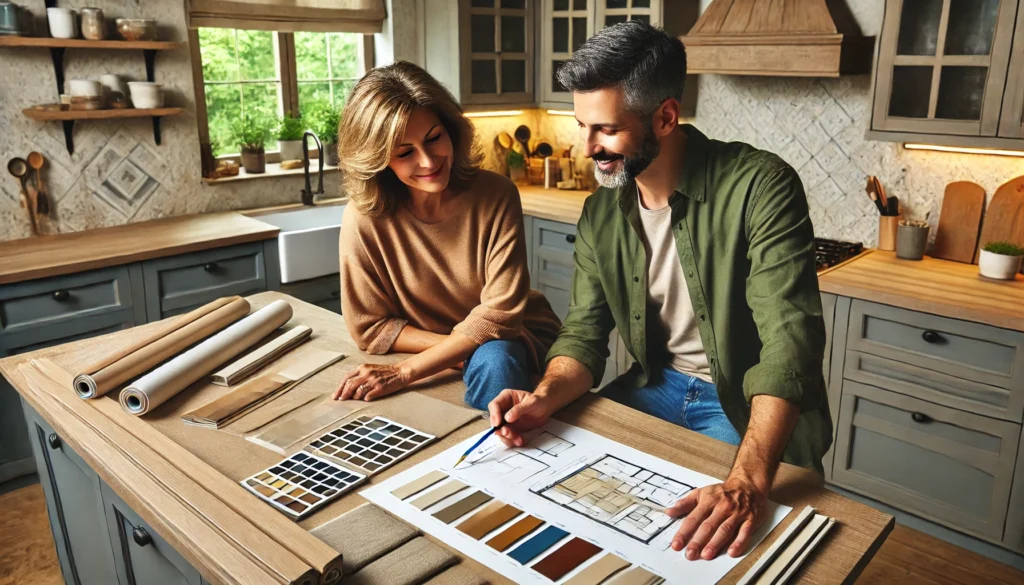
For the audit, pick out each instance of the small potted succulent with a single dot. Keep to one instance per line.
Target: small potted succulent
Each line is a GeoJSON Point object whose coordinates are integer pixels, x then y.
{"type": "Point", "coordinates": [251, 132]}
{"type": "Point", "coordinates": [289, 137]}
{"type": "Point", "coordinates": [325, 124]}
{"type": "Point", "coordinates": [1000, 260]}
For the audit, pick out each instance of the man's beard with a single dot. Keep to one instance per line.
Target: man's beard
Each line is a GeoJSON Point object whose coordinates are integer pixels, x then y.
{"type": "Point", "coordinates": [631, 166]}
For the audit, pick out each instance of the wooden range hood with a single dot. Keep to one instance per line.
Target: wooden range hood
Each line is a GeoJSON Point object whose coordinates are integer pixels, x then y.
{"type": "Point", "coordinates": [785, 38]}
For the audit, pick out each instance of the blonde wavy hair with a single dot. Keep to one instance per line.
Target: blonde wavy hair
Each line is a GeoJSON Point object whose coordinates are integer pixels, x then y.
{"type": "Point", "coordinates": [372, 127]}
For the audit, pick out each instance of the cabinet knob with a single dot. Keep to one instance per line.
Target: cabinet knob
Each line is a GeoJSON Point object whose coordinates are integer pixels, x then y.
{"type": "Point", "coordinates": [920, 417]}
{"type": "Point", "coordinates": [61, 295]}
{"type": "Point", "coordinates": [211, 267]}
{"type": "Point", "coordinates": [141, 537]}
{"type": "Point", "coordinates": [571, 238]}
{"type": "Point", "coordinates": [931, 336]}
{"type": "Point", "coordinates": [53, 440]}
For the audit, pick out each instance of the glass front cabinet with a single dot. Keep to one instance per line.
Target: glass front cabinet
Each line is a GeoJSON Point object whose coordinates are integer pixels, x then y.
{"type": "Point", "coordinates": [496, 51]}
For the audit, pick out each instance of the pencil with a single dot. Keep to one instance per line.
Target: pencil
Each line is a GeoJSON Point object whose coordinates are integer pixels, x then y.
{"type": "Point", "coordinates": [477, 444]}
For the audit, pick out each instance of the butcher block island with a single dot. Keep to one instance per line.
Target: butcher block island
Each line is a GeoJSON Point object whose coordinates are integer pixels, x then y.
{"type": "Point", "coordinates": [171, 490]}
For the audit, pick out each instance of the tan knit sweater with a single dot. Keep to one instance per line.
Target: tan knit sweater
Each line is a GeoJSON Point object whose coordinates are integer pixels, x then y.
{"type": "Point", "coordinates": [467, 273]}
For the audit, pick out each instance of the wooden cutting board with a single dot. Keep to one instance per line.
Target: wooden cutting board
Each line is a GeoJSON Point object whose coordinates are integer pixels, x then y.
{"type": "Point", "coordinates": [960, 221]}
{"type": "Point", "coordinates": [1005, 217]}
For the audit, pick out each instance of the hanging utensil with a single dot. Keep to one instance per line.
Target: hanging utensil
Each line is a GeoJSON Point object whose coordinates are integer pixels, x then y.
{"type": "Point", "coordinates": [18, 169]}
{"type": "Point", "coordinates": [522, 134]}
{"type": "Point", "coordinates": [36, 161]}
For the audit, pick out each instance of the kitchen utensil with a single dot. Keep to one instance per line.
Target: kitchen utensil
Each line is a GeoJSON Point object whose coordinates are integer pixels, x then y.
{"type": "Point", "coordinates": [504, 140]}
{"type": "Point", "coordinates": [18, 168]}
{"type": "Point", "coordinates": [63, 23]}
{"type": "Point", "coordinates": [887, 226]}
{"type": "Point", "coordinates": [36, 161]}
{"type": "Point", "coordinates": [85, 88]}
{"type": "Point", "coordinates": [543, 148]}
{"type": "Point", "coordinates": [1004, 220]}
{"type": "Point", "coordinates": [892, 206]}
{"type": "Point", "coordinates": [146, 94]}
{"type": "Point", "coordinates": [522, 135]}
{"type": "Point", "coordinates": [960, 222]}
{"type": "Point", "coordinates": [136, 29]}
{"type": "Point", "coordinates": [911, 240]}
{"type": "Point", "coordinates": [94, 25]}
{"type": "Point", "coordinates": [872, 192]}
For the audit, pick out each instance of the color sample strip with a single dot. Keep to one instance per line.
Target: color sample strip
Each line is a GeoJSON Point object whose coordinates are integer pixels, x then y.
{"type": "Point", "coordinates": [568, 556]}
{"type": "Point", "coordinates": [418, 485]}
{"type": "Point", "coordinates": [301, 484]}
{"type": "Point", "coordinates": [596, 573]}
{"type": "Point", "coordinates": [370, 443]}
{"type": "Point", "coordinates": [636, 575]}
{"type": "Point", "coordinates": [532, 548]}
{"type": "Point", "coordinates": [512, 534]}
{"type": "Point", "coordinates": [486, 520]}
{"type": "Point", "coordinates": [464, 506]}
{"type": "Point", "coordinates": [430, 498]}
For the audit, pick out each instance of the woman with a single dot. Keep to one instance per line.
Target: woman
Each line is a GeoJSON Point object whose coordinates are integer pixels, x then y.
{"type": "Point", "coordinates": [433, 258]}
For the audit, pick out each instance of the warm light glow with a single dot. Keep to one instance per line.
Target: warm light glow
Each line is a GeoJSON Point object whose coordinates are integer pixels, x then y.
{"type": "Point", "coordinates": [963, 150]}
{"type": "Point", "coordinates": [495, 114]}
{"type": "Point", "coordinates": [562, 112]}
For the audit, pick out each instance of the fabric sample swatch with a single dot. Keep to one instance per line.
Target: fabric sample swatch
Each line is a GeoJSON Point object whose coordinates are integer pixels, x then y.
{"type": "Point", "coordinates": [636, 575]}
{"type": "Point", "coordinates": [412, 563]}
{"type": "Point", "coordinates": [430, 498]}
{"type": "Point", "coordinates": [417, 486]}
{"type": "Point", "coordinates": [363, 535]}
{"type": "Point", "coordinates": [568, 556]}
{"type": "Point", "coordinates": [532, 548]}
{"type": "Point", "coordinates": [457, 575]}
{"type": "Point", "coordinates": [605, 567]}
{"type": "Point", "coordinates": [494, 515]}
{"type": "Point", "coordinates": [512, 534]}
{"type": "Point", "coordinates": [462, 507]}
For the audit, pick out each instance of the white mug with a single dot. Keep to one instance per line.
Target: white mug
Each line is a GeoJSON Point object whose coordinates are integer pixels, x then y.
{"type": "Point", "coordinates": [63, 23]}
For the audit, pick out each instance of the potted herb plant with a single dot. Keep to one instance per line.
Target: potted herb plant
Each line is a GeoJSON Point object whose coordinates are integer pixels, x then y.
{"type": "Point", "coordinates": [289, 137]}
{"type": "Point", "coordinates": [251, 132]}
{"type": "Point", "coordinates": [1000, 260]}
{"type": "Point", "coordinates": [326, 120]}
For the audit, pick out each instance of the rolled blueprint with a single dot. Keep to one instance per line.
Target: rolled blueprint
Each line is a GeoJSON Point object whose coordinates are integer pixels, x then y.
{"type": "Point", "coordinates": [165, 382]}
{"type": "Point", "coordinates": [164, 342]}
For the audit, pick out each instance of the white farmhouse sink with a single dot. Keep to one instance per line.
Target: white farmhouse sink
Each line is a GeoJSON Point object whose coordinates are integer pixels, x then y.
{"type": "Point", "coordinates": [308, 242]}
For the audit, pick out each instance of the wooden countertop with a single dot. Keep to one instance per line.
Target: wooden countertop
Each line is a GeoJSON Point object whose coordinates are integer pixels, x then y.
{"type": "Point", "coordinates": [553, 204]}
{"type": "Point", "coordinates": [853, 542]}
{"type": "Point", "coordinates": [942, 287]}
{"type": "Point", "coordinates": [53, 255]}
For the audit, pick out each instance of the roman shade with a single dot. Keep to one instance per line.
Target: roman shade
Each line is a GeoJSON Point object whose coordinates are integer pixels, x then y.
{"type": "Point", "coordinates": [358, 16]}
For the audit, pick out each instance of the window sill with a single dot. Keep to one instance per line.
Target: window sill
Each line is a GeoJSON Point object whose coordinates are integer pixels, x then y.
{"type": "Point", "coordinates": [274, 171]}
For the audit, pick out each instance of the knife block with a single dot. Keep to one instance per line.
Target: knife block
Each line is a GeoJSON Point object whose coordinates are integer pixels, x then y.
{"type": "Point", "coordinates": [887, 227]}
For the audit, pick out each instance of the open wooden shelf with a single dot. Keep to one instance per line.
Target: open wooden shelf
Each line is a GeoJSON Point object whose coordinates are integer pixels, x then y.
{"type": "Point", "coordinates": [87, 44]}
{"type": "Point", "coordinates": [65, 115]}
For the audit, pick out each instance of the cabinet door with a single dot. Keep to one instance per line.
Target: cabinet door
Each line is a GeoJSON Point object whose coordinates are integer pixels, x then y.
{"type": "Point", "coordinates": [611, 12]}
{"type": "Point", "coordinates": [942, 66]}
{"type": "Point", "coordinates": [1012, 124]}
{"type": "Point", "coordinates": [75, 508]}
{"type": "Point", "coordinates": [497, 56]}
{"type": "Point", "coordinates": [566, 25]}
{"type": "Point", "coordinates": [324, 292]}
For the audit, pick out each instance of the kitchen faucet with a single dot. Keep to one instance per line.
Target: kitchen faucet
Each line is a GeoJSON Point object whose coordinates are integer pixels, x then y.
{"type": "Point", "coordinates": [307, 192]}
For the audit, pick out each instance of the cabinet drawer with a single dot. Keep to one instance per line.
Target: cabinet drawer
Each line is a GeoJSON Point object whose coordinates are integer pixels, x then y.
{"type": "Point", "coordinates": [49, 301]}
{"type": "Point", "coordinates": [943, 464]}
{"type": "Point", "coordinates": [937, 387]}
{"type": "Point", "coordinates": [181, 283]}
{"type": "Point", "coordinates": [980, 353]}
{"type": "Point", "coordinates": [323, 292]}
{"type": "Point", "coordinates": [50, 335]}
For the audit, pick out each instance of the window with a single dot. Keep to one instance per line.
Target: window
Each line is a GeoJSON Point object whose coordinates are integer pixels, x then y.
{"type": "Point", "coordinates": [251, 71]}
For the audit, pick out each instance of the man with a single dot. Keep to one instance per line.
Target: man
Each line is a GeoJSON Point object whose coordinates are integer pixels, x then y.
{"type": "Point", "coordinates": [701, 253]}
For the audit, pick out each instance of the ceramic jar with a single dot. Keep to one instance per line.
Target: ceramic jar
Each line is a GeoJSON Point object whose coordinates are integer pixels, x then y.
{"type": "Point", "coordinates": [94, 25]}
{"type": "Point", "coordinates": [63, 23]}
{"type": "Point", "coordinates": [146, 95]}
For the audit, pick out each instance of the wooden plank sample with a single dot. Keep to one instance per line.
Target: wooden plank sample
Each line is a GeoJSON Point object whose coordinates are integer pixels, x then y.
{"type": "Point", "coordinates": [248, 364]}
{"type": "Point", "coordinates": [1005, 218]}
{"type": "Point", "coordinates": [960, 221]}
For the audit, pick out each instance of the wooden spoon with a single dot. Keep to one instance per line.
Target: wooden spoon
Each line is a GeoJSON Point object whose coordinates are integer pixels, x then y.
{"type": "Point", "coordinates": [36, 161]}
{"type": "Point", "coordinates": [18, 169]}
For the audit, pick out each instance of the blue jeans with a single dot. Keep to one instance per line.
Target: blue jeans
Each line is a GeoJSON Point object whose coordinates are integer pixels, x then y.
{"type": "Point", "coordinates": [684, 400]}
{"type": "Point", "coordinates": [494, 366]}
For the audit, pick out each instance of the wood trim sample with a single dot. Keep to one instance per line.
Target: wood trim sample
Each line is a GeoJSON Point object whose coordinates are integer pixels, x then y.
{"type": "Point", "coordinates": [768, 556]}
{"type": "Point", "coordinates": [246, 365]}
{"type": "Point", "coordinates": [414, 487]}
{"type": "Point", "coordinates": [489, 518]}
{"type": "Point", "coordinates": [430, 498]}
{"type": "Point", "coordinates": [464, 506]}
{"type": "Point", "coordinates": [568, 556]}
{"type": "Point", "coordinates": [514, 533]}
{"type": "Point", "coordinates": [599, 571]}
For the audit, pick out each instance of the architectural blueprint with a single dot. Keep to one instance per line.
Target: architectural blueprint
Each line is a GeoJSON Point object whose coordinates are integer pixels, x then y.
{"type": "Point", "coordinates": [570, 483]}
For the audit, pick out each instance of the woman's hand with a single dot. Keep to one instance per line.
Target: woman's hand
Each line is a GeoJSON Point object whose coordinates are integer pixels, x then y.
{"type": "Point", "coordinates": [370, 381]}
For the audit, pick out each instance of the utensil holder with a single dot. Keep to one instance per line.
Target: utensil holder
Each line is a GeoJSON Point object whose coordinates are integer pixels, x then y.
{"type": "Point", "coordinates": [911, 242]}
{"type": "Point", "coordinates": [887, 225]}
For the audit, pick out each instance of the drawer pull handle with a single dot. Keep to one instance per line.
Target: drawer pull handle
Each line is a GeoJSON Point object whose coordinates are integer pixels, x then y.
{"type": "Point", "coordinates": [141, 537]}
{"type": "Point", "coordinates": [931, 336]}
{"type": "Point", "coordinates": [211, 267]}
{"type": "Point", "coordinates": [920, 417]}
{"type": "Point", "coordinates": [61, 295]}
{"type": "Point", "coordinates": [53, 440]}
{"type": "Point", "coordinates": [571, 238]}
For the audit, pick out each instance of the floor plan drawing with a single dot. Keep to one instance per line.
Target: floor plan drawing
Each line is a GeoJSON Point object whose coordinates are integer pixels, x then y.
{"type": "Point", "coordinates": [622, 496]}
{"type": "Point", "coordinates": [513, 467]}
{"type": "Point", "coordinates": [550, 444]}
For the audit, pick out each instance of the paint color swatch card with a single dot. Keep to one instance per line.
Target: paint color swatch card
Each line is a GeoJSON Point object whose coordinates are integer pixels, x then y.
{"type": "Point", "coordinates": [568, 507]}
{"type": "Point", "coordinates": [301, 484]}
{"type": "Point", "coordinates": [370, 443]}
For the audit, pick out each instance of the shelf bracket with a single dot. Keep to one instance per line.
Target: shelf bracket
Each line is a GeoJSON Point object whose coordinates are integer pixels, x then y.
{"type": "Point", "coordinates": [156, 130]}
{"type": "Point", "coordinates": [69, 141]}
{"type": "Point", "coordinates": [150, 56]}
{"type": "Point", "coordinates": [57, 53]}
{"type": "Point", "coordinates": [51, 3]}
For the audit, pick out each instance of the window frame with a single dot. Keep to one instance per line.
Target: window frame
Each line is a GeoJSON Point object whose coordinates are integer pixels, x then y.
{"type": "Point", "coordinates": [289, 89]}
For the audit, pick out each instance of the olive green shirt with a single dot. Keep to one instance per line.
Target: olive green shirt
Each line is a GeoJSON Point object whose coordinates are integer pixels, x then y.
{"type": "Point", "coordinates": [746, 244]}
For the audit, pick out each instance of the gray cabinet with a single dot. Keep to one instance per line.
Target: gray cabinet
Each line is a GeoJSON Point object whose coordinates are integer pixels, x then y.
{"type": "Point", "coordinates": [496, 51]}
{"type": "Point", "coordinates": [323, 292]}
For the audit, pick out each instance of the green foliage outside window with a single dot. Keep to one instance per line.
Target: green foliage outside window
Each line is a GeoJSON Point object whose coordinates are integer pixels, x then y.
{"type": "Point", "coordinates": [291, 128]}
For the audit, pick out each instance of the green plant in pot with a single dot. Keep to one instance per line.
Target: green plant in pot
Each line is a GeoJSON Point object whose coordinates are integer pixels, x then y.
{"type": "Point", "coordinates": [1000, 260]}
{"type": "Point", "coordinates": [251, 132]}
{"type": "Point", "coordinates": [325, 122]}
{"type": "Point", "coordinates": [289, 137]}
